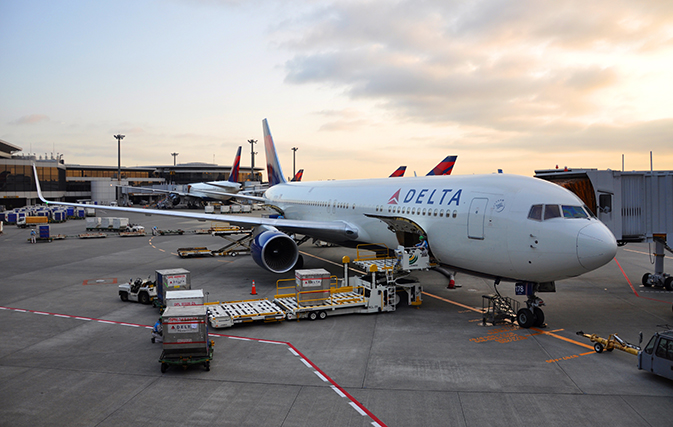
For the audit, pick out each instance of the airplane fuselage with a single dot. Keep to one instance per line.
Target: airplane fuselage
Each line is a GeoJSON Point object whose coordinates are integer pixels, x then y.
{"type": "Point", "coordinates": [477, 223]}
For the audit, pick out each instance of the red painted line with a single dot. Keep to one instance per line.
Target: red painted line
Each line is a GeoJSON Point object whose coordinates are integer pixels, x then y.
{"type": "Point", "coordinates": [313, 365]}
{"type": "Point", "coordinates": [353, 401]}
{"type": "Point", "coordinates": [633, 289]}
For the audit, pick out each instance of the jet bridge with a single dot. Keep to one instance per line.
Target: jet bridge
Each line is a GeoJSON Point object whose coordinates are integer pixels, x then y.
{"type": "Point", "coordinates": [636, 206]}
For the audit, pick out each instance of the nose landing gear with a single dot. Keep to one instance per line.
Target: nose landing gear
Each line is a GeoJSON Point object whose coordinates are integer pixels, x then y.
{"type": "Point", "coordinates": [532, 315]}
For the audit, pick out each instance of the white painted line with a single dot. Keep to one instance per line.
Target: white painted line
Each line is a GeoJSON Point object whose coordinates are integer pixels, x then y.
{"type": "Point", "coordinates": [239, 338]}
{"type": "Point", "coordinates": [357, 408]}
{"type": "Point", "coordinates": [128, 324]}
{"type": "Point", "coordinates": [81, 318]}
{"type": "Point", "coordinates": [4, 308]}
{"type": "Point", "coordinates": [20, 311]}
{"type": "Point", "coordinates": [308, 365]}
{"type": "Point", "coordinates": [321, 376]}
{"type": "Point", "coordinates": [62, 315]}
{"type": "Point", "coordinates": [293, 352]}
{"type": "Point", "coordinates": [272, 342]}
{"type": "Point", "coordinates": [337, 391]}
{"type": "Point", "coordinates": [375, 424]}
{"type": "Point", "coordinates": [106, 321]}
{"type": "Point", "coordinates": [39, 312]}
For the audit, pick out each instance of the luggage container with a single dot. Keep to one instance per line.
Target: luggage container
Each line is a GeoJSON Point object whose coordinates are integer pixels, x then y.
{"type": "Point", "coordinates": [312, 286]}
{"type": "Point", "coordinates": [93, 223]}
{"type": "Point", "coordinates": [174, 279]}
{"type": "Point", "coordinates": [185, 337]}
{"type": "Point", "coordinates": [44, 231]}
{"type": "Point", "coordinates": [184, 298]}
{"type": "Point", "coordinates": [119, 223]}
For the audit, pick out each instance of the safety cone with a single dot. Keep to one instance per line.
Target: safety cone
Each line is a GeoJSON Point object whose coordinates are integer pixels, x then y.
{"type": "Point", "coordinates": [452, 283]}
{"type": "Point", "coordinates": [254, 290]}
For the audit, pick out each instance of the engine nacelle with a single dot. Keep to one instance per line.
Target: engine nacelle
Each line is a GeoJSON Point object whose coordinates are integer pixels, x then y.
{"type": "Point", "coordinates": [174, 198]}
{"type": "Point", "coordinates": [274, 251]}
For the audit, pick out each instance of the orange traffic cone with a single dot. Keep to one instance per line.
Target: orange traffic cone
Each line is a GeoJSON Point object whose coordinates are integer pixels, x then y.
{"type": "Point", "coordinates": [452, 283]}
{"type": "Point", "coordinates": [254, 290]}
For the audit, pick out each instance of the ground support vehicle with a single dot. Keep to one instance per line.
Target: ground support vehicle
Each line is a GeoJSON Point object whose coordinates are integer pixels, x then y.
{"type": "Point", "coordinates": [656, 357]}
{"type": "Point", "coordinates": [227, 314]}
{"type": "Point", "coordinates": [613, 342]}
{"type": "Point", "coordinates": [92, 235]}
{"type": "Point", "coordinates": [139, 290]}
{"type": "Point", "coordinates": [185, 337]}
{"type": "Point", "coordinates": [169, 232]}
{"type": "Point", "coordinates": [239, 244]}
{"type": "Point", "coordinates": [362, 295]}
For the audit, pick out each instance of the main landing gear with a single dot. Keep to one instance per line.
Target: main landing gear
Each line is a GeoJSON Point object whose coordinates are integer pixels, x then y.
{"type": "Point", "coordinates": [532, 315]}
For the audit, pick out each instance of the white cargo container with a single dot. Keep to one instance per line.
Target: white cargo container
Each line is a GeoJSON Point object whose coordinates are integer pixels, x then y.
{"type": "Point", "coordinates": [184, 298]}
{"type": "Point", "coordinates": [173, 279]}
{"type": "Point", "coordinates": [92, 222]}
{"type": "Point", "coordinates": [119, 223]}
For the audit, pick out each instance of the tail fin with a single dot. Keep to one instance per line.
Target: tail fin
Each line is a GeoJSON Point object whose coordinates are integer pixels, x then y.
{"type": "Point", "coordinates": [298, 176]}
{"type": "Point", "coordinates": [272, 164]}
{"type": "Point", "coordinates": [444, 167]}
{"type": "Point", "coordinates": [399, 172]}
{"type": "Point", "coordinates": [233, 176]}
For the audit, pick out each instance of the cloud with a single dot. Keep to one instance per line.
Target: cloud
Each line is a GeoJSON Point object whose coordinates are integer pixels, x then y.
{"type": "Point", "coordinates": [31, 119]}
{"type": "Point", "coordinates": [497, 64]}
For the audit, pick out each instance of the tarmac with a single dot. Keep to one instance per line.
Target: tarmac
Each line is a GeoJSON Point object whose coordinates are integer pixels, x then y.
{"type": "Point", "coordinates": [72, 353]}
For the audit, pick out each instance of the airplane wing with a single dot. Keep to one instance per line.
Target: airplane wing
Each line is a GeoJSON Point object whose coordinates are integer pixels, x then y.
{"type": "Point", "coordinates": [310, 228]}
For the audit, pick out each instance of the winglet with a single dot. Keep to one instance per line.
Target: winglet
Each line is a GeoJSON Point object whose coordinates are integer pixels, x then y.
{"type": "Point", "coordinates": [444, 167]}
{"type": "Point", "coordinates": [233, 176]}
{"type": "Point", "coordinates": [37, 185]}
{"type": "Point", "coordinates": [272, 163]}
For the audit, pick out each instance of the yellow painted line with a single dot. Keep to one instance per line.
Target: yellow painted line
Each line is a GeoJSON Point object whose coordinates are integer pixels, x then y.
{"type": "Point", "coordinates": [454, 303]}
{"type": "Point", "coordinates": [637, 252]}
{"type": "Point", "coordinates": [551, 334]}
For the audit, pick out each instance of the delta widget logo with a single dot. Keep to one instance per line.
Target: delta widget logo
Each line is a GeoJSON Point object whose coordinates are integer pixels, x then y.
{"type": "Point", "coordinates": [395, 199]}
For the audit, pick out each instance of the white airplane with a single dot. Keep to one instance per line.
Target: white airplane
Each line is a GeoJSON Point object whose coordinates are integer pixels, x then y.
{"type": "Point", "coordinates": [205, 191]}
{"type": "Point", "coordinates": [505, 227]}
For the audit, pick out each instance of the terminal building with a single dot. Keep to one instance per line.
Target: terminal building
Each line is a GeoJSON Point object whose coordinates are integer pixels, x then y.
{"type": "Point", "coordinates": [73, 182]}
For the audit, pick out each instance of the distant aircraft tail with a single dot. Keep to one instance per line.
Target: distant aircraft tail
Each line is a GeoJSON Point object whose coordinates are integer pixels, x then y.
{"type": "Point", "coordinates": [272, 164]}
{"type": "Point", "coordinates": [297, 177]}
{"type": "Point", "coordinates": [399, 172]}
{"type": "Point", "coordinates": [233, 176]}
{"type": "Point", "coordinates": [444, 167]}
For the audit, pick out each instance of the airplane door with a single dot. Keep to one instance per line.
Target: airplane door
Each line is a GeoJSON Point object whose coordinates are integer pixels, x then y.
{"type": "Point", "coordinates": [476, 217]}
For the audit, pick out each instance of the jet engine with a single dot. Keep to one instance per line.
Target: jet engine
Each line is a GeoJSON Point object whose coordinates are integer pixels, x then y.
{"type": "Point", "coordinates": [274, 250]}
{"type": "Point", "coordinates": [174, 198]}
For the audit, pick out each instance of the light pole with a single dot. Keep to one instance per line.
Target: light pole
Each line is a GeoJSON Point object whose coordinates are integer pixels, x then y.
{"type": "Point", "coordinates": [294, 169]}
{"type": "Point", "coordinates": [119, 138]}
{"type": "Point", "coordinates": [252, 158]}
{"type": "Point", "coordinates": [175, 155]}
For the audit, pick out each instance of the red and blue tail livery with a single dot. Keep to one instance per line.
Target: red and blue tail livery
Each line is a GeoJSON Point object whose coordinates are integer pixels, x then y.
{"type": "Point", "coordinates": [444, 167]}
{"type": "Point", "coordinates": [399, 172]}
{"type": "Point", "coordinates": [233, 176]}
{"type": "Point", "coordinates": [298, 176]}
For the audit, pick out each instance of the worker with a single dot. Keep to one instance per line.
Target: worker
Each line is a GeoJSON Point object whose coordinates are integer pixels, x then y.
{"type": "Point", "coordinates": [158, 331]}
{"type": "Point", "coordinates": [423, 243]}
{"type": "Point", "coordinates": [32, 236]}
{"type": "Point", "coordinates": [154, 230]}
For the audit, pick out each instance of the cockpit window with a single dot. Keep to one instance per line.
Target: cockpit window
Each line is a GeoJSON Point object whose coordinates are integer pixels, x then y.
{"type": "Point", "coordinates": [551, 211]}
{"type": "Point", "coordinates": [574, 212]}
{"type": "Point", "coordinates": [535, 212]}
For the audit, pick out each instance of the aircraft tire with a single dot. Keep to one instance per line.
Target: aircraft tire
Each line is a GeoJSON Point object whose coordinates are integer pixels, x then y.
{"type": "Point", "coordinates": [539, 316]}
{"type": "Point", "coordinates": [525, 318]}
{"type": "Point", "coordinates": [646, 280]}
{"type": "Point", "coordinates": [668, 283]}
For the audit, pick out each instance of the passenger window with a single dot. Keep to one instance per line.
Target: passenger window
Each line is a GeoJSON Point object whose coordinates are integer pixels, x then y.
{"type": "Point", "coordinates": [551, 211]}
{"type": "Point", "coordinates": [574, 212]}
{"type": "Point", "coordinates": [535, 212]}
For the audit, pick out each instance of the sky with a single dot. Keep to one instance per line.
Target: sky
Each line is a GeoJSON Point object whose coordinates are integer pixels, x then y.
{"type": "Point", "coordinates": [359, 87]}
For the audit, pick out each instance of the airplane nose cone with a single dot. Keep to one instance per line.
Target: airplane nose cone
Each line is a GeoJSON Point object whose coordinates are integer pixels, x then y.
{"type": "Point", "coordinates": [596, 246]}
